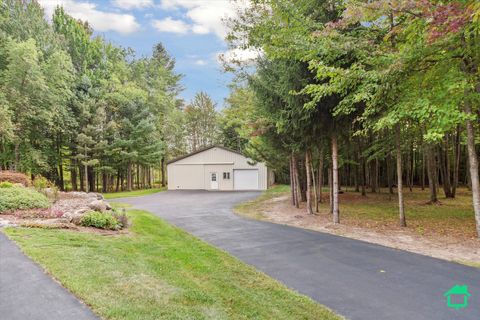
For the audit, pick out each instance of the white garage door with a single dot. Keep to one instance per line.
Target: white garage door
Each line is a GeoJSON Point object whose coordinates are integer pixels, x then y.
{"type": "Point", "coordinates": [245, 179]}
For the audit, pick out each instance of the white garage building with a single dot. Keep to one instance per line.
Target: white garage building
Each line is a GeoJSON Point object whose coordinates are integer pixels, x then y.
{"type": "Point", "coordinates": [217, 168]}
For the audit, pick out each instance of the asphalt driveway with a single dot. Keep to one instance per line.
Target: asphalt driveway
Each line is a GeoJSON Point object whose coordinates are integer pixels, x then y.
{"type": "Point", "coordinates": [356, 279]}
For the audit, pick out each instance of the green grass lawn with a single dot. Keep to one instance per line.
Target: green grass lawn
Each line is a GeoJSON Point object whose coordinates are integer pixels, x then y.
{"type": "Point", "coordinates": [134, 193]}
{"type": "Point", "coordinates": [158, 271]}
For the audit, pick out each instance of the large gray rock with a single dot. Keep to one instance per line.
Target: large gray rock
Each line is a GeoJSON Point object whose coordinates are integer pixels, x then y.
{"type": "Point", "coordinates": [76, 216]}
{"type": "Point", "coordinates": [99, 205]}
{"type": "Point", "coordinates": [76, 204]}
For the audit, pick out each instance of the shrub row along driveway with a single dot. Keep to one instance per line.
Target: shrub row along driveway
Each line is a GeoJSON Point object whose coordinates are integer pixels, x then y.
{"type": "Point", "coordinates": [27, 293]}
{"type": "Point", "coordinates": [354, 278]}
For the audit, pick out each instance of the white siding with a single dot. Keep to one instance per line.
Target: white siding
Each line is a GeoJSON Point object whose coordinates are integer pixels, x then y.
{"type": "Point", "coordinates": [186, 177]}
{"type": "Point", "coordinates": [223, 184]}
{"type": "Point", "coordinates": [195, 169]}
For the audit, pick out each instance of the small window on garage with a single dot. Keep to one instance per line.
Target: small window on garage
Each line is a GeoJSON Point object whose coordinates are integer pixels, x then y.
{"type": "Point", "coordinates": [226, 175]}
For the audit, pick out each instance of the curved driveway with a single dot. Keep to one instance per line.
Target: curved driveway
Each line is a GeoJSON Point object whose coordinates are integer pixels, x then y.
{"type": "Point", "coordinates": [356, 279]}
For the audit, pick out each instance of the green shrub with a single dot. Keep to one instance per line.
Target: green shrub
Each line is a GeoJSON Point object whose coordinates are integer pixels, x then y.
{"type": "Point", "coordinates": [15, 198]}
{"type": "Point", "coordinates": [46, 187]}
{"type": "Point", "coordinates": [100, 220]}
{"type": "Point", "coordinates": [14, 177]}
{"type": "Point", "coordinates": [40, 183]}
{"type": "Point", "coordinates": [6, 184]}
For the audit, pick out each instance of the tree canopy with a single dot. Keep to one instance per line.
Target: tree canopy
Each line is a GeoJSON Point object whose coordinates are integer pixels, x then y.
{"type": "Point", "coordinates": [370, 82]}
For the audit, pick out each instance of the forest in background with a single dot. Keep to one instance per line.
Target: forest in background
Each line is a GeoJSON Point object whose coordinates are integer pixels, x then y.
{"type": "Point", "coordinates": [372, 95]}
{"type": "Point", "coordinates": [367, 94]}
{"type": "Point", "coordinates": [86, 114]}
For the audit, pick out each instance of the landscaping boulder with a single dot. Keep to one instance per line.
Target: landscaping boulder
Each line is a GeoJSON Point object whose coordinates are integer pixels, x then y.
{"type": "Point", "coordinates": [76, 204]}
{"type": "Point", "coordinates": [99, 205]}
{"type": "Point", "coordinates": [76, 216]}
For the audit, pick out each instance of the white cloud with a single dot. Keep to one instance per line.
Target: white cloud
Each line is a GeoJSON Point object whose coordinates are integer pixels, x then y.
{"type": "Point", "coordinates": [98, 19]}
{"type": "Point", "coordinates": [244, 56]}
{"type": "Point", "coordinates": [132, 4]}
{"type": "Point", "coordinates": [171, 25]}
{"type": "Point", "coordinates": [206, 15]}
{"type": "Point", "coordinates": [200, 62]}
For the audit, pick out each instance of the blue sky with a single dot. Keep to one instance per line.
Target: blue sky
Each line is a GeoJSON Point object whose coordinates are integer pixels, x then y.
{"type": "Point", "coordinates": [191, 30]}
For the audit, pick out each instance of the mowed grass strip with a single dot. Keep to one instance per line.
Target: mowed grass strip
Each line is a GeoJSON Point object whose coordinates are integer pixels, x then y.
{"type": "Point", "coordinates": [133, 193]}
{"type": "Point", "coordinates": [158, 271]}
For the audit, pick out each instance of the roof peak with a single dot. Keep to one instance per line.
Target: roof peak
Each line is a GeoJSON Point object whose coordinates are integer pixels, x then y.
{"type": "Point", "coordinates": [202, 150]}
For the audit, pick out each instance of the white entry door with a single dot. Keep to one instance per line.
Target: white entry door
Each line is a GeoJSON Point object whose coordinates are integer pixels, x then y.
{"type": "Point", "coordinates": [213, 181]}
{"type": "Point", "coordinates": [245, 179]}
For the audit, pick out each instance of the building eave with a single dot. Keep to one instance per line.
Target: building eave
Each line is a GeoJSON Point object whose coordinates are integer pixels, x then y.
{"type": "Point", "coordinates": [202, 150]}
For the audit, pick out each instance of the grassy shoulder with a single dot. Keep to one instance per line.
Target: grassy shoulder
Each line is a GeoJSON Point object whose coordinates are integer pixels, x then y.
{"type": "Point", "coordinates": [133, 193]}
{"type": "Point", "coordinates": [158, 271]}
{"type": "Point", "coordinates": [253, 208]}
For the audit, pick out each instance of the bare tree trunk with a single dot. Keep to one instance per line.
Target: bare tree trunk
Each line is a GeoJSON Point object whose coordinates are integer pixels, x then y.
{"type": "Point", "coordinates": [445, 169]}
{"type": "Point", "coordinates": [73, 175]}
{"type": "Point", "coordinates": [330, 188]}
{"type": "Point", "coordinates": [357, 172]}
{"type": "Point", "coordinates": [320, 174]}
{"type": "Point", "coordinates": [91, 178]}
{"type": "Point", "coordinates": [423, 170]}
{"type": "Point", "coordinates": [412, 169]}
{"type": "Point", "coordinates": [401, 210]}
{"type": "Point", "coordinates": [314, 184]}
{"type": "Point", "coordinates": [373, 186]}
{"type": "Point", "coordinates": [104, 182]}
{"type": "Point", "coordinates": [297, 182]}
{"type": "Point", "coordinates": [473, 166]}
{"type": "Point", "coordinates": [389, 175]}
{"type": "Point", "coordinates": [119, 177]}
{"type": "Point", "coordinates": [302, 181]}
{"type": "Point", "coordinates": [85, 177]}
{"type": "Point", "coordinates": [129, 177]}
{"type": "Point", "coordinates": [309, 181]}
{"type": "Point", "coordinates": [336, 212]}
{"type": "Point", "coordinates": [81, 177]}
{"type": "Point", "coordinates": [456, 164]}
{"type": "Point", "coordinates": [468, 181]}
{"type": "Point", "coordinates": [137, 177]}
{"type": "Point", "coordinates": [61, 183]}
{"type": "Point", "coordinates": [163, 172]}
{"type": "Point", "coordinates": [364, 177]}
{"type": "Point", "coordinates": [85, 174]}
{"type": "Point", "coordinates": [432, 181]}
{"type": "Point", "coordinates": [292, 180]}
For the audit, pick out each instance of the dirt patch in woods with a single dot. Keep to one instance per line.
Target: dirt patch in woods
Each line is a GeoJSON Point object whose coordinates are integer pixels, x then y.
{"type": "Point", "coordinates": [457, 246]}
